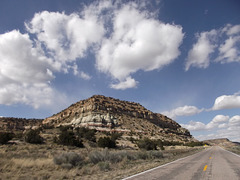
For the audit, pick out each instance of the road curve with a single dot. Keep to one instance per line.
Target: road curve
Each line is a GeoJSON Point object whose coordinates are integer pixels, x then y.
{"type": "Point", "coordinates": [213, 163]}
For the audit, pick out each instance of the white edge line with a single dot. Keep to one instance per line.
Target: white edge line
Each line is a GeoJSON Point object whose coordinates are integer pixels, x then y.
{"type": "Point", "coordinates": [230, 152]}
{"type": "Point", "coordinates": [160, 166]}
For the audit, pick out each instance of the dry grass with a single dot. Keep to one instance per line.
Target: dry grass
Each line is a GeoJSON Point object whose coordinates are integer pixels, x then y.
{"type": "Point", "coordinates": [234, 149]}
{"type": "Point", "coordinates": [27, 161]}
{"type": "Point", "coordinates": [32, 163]}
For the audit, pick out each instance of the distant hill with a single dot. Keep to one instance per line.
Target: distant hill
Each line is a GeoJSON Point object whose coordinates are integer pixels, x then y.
{"type": "Point", "coordinates": [14, 124]}
{"type": "Point", "coordinates": [221, 142]}
{"type": "Point", "coordinates": [109, 114]}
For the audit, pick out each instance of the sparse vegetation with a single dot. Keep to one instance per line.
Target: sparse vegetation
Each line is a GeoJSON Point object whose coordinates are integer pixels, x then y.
{"type": "Point", "coordinates": [234, 149]}
{"type": "Point", "coordinates": [53, 161]}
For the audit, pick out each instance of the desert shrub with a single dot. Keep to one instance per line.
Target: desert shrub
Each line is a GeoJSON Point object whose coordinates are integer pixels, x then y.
{"type": "Point", "coordinates": [131, 139]}
{"type": "Point", "coordinates": [159, 143]}
{"type": "Point", "coordinates": [115, 136]}
{"type": "Point", "coordinates": [104, 166]}
{"type": "Point", "coordinates": [98, 156]}
{"type": "Point", "coordinates": [176, 143]}
{"type": "Point", "coordinates": [192, 144]}
{"type": "Point", "coordinates": [107, 133]}
{"type": "Point", "coordinates": [5, 137]}
{"type": "Point", "coordinates": [68, 160]}
{"type": "Point", "coordinates": [48, 126]}
{"type": "Point", "coordinates": [171, 143]}
{"type": "Point", "coordinates": [131, 156]}
{"type": "Point", "coordinates": [104, 155]}
{"type": "Point", "coordinates": [33, 137]}
{"type": "Point", "coordinates": [65, 128]}
{"type": "Point", "coordinates": [18, 135]}
{"type": "Point", "coordinates": [147, 144]}
{"type": "Point", "coordinates": [142, 155]}
{"type": "Point", "coordinates": [106, 142]}
{"type": "Point", "coordinates": [155, 154]}
{"type": "Point", "coordinates": [88, 134]}
{"type": "Point", "coordinates": [166, 143]}
{"type": "Point", "coordinates": [115, 157]}
{"type": "Point", "coordinates": [68, 138]}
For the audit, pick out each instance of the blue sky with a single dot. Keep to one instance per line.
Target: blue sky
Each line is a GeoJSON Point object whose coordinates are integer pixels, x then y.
{"type": "Point", "coordinates": [179, 58]}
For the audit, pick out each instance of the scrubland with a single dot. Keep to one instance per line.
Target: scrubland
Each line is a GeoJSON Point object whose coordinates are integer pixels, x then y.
{"type": "Point", "coordinates": [234, 149]}
{"type": "Point", "coordinates": [52, 161]}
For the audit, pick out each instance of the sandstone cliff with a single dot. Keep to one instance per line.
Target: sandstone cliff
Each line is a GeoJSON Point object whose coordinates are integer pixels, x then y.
{"type": "Point", "coordinates": [109, 114]}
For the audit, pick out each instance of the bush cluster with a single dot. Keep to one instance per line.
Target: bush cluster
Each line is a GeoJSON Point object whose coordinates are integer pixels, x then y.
{"type": "Point", "coordinates": [114, 157]}
{"type": "Point", "coordinates": [99, 156]}
{"type": "Point", "coordinates": [103, 158]}
{"type": "Point", "coordinates": [115, 136]}
{"type": "Point", "coordinates": [88, 134]}
{"type": "Point", "coordinates": [33, 137]}
{"type": "Point", "coordinates": [147, 144]}
{"type": "Point", "coordinates": [109, 142]}
{"type": "Point", "coordinates": [68, 160]}
{"type": "Point", "coordinates": [192, 144]}
{"type": "Point", "coordinates": [172, 143]}
{"type": "Point", "coordinates": [5, 137]}
{"type": "Point", "coordinates": [106, 142]}
{"type": "Point", "coordinates": [68, 138]}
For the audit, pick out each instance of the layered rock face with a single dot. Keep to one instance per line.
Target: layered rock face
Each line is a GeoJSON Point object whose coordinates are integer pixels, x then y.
{"type": "Point", "coordinates": [106, 113]}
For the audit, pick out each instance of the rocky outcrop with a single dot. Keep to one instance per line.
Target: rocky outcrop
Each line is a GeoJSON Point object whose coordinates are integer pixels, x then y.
{"type": "Point", "coordinates": [15, 124]}
{"type": "Point", "coordinates": [106, 113]}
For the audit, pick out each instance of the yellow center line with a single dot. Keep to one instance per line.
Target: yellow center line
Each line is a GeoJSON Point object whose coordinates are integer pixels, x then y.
{"type": "Point", "coordinates": [205, 168]}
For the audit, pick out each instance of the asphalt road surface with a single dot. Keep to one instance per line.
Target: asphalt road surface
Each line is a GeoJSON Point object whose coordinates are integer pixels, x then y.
{"type": "Point", "coordinates": [213, 163]}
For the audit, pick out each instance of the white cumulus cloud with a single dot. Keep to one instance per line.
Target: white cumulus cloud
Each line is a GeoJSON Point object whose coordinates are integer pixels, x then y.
{"type": "Point", "coordinates": [182, 111]}
{"type": "Point", "coordinates": [128, 83]}
{"type": "Point", "coordinates": [66, 37]}
{"type": "Point", "coordinates": [194, 126]}
{"type": "Point", "coordinates": [224, 42]}
{"type": "Point", "coordinates": [25, 72]}
{"type": "Point", "coordinates": [138, 42]}
{"type": "Point", "coordinates": [227, 102]}
{"type": "Point", "coordinates": [198, 56]}
{"type": "Point", "coordinates": [235, 121]}
{"type": "Point", "coordinates": [84, 75]}
{"type": "Point", "coordinates": [229, 50]}
{"type": "Point", "coordinates": [218, 121]}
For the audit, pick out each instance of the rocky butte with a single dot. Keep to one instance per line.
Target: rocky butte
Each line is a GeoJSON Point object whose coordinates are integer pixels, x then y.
{"type": "Point", "coordinates": [109, 114]}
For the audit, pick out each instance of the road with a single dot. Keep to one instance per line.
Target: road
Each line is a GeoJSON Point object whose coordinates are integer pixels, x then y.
{"type": "Point", "coordinates": [213, 163]}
